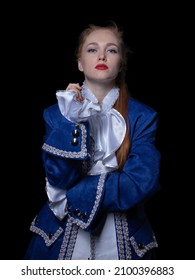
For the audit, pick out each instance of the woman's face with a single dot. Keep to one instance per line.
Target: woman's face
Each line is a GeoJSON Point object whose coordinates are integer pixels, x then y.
{"type": "Point", "coordinates": [100, 57]}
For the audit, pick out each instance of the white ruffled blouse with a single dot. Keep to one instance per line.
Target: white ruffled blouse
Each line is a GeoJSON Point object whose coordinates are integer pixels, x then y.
{"type": "Point", "coordinates": [107, 125]}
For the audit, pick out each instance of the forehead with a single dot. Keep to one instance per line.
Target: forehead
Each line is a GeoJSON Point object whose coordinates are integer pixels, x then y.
{"type": "Point", "coordinates": [102, 36]}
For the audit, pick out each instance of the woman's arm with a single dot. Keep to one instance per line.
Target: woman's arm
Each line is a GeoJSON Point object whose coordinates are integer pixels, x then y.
{"type": "Point", "coordinates": [120, 191]}
{"type": "Point", "coordinates": [64, 149]}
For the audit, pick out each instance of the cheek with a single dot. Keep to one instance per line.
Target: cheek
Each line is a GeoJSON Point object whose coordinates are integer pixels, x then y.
{"type": "Point", "coordinates": [83, 65]}
{"type": "Point", "coordinates": [87, 65]}
{"type": "Point", "coordinates": [117, 67]}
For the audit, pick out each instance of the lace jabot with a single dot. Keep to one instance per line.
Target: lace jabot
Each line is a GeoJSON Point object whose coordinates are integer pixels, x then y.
{"type": "Point", "coordinates": [107, 126]}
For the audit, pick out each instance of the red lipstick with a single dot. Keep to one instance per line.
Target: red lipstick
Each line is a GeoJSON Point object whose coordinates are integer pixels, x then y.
{"type": "Point", "coordinates": [101, 67]}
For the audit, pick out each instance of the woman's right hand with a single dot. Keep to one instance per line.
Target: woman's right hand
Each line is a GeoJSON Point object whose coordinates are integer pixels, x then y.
{"type": "Point", "coordinates": [75, 87]}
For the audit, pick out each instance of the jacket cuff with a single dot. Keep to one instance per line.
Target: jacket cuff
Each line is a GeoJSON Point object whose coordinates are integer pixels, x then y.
{"type": "Point", "coordinates": [72, 142]}
{"type": "Point", "coordinates": [84, 200]}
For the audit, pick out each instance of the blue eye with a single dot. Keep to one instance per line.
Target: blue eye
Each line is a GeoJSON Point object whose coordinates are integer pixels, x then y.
{"type": "Point", "coordinates": [91, 50]}
{"type": "Point", "coordinates": [112, 51]}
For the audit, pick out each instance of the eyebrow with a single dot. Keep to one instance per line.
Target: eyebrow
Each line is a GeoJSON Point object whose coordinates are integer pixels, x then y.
{"type": "Point", "coordinates": [108, 44]}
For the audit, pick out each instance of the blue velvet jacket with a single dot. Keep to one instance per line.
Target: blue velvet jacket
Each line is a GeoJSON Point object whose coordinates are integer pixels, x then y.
{"type": "Point", "coordinates": [66, 153]}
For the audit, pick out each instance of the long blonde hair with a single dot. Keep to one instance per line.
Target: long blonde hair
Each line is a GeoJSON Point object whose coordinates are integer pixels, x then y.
{"type": "Point", "coordinates": [121, 104]}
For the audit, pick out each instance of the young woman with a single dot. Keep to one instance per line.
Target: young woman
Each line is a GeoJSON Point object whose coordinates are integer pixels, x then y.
{"type": "Point", "coordinates": [100, 161]}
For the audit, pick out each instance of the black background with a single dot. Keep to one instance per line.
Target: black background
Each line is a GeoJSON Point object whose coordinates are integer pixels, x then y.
{"type": "Point", "coordinates": [39, 59]}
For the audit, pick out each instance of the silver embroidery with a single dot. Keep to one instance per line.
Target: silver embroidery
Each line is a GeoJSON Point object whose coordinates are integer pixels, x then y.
{"type": "Point", "coordinates": [126, 237]}
{"type": "Point", "coordinates": [119, 235]}
{"type": "Point", "coordinates": [122, 233]}
{"type": "Point", "coordinates": [141, 252]}
{"type": "Point", "coordinates": [47, 239]}
{"type": "Point", "coordinates": [68, 242]}
{"type": "Point", "coordinates": [72, 242]}
{"type": "Point", "coordinates": [69, 154]}
{"type": "Point", "coordinates": [82, 224]}
{"type": "Point", "coordinates": [92, 246]}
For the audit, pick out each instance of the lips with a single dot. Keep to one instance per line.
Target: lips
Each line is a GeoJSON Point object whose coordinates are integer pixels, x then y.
{"type": "Point", "coordinates": [101, 67]}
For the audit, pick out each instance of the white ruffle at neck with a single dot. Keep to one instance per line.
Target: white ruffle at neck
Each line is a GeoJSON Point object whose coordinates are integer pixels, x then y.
{"type": "Point", "coordinates": [107, 126]}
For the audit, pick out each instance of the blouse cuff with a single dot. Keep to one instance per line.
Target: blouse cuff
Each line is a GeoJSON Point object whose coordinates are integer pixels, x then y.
{"type": "Point", "coordinates": [57, 200]}
{"type": "Point", "coordinates": [73, 110]}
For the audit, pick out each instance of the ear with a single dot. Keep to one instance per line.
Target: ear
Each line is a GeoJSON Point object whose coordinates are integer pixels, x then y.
{"type": "Point", "coordinates": [80, 66]}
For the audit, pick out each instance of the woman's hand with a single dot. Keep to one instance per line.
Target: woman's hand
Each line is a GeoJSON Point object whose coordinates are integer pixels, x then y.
{"type": "Point", "coordinates": [76, 88]}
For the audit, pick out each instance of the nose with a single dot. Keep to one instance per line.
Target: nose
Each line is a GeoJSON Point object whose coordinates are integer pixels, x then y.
{"type": "Point", "coordinates": [102, 56]}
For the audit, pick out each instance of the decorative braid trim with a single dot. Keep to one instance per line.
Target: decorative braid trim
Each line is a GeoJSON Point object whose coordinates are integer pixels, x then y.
{"type": "Point", "coordinates": [82, 224]}
{"type": "Point", "coordinates": [92, 246]}
{"type": "Point", "coordinates": [119, 236]}
{"type": "Point", "coordinates": [68, 242]}
{"type": "Point", "coordinates": [123, 241]}
{"type": "Point", "coordinates": [69, 154]}
{"type": "Point", "coordinates": [47, 239]}
{"type": "Point", "coordinates": [72, 242]}
{"type": "Point", "coordinates": [141, 252]}
{"type": "Point", "coordinates": [126, 237]}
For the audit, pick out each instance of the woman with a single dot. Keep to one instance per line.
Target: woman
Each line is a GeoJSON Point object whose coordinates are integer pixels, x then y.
{"type": "Point", "coordinates": [100, 161]}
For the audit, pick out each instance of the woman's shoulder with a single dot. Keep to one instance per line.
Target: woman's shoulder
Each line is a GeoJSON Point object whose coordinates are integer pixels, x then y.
{"type": "Point", "coordinates": [52, 110]}
{"type": "Point", "coordinates": [142, 116]}
{"type": "Point", "coordinates": [137, 107]}
{"type": "Point", "coordinates": [53, 116]}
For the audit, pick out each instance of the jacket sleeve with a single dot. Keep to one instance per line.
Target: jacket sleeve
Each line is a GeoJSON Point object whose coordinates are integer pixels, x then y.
{"type": "Point", "coordinates": [120, 191]}
{"type": "Point", "coordinates": [64, 149]}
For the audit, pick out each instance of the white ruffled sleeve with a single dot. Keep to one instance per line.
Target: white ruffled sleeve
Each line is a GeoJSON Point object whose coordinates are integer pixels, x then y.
{"type": "Point", "coordinates": [73, 110]}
